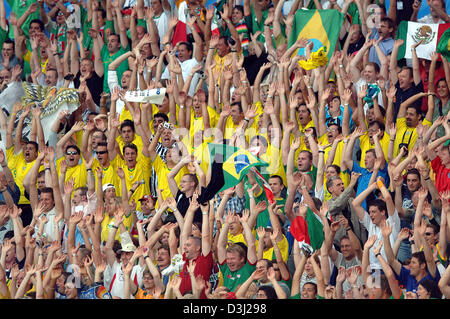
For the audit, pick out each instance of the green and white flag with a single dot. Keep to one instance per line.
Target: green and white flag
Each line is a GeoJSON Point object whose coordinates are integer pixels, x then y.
{"type": "Point", "coordinates": [414, 32]}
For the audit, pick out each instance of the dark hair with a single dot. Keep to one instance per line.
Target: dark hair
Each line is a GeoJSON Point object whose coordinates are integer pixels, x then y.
{"type": "Point", "coordinates": [11, 41]}
{"type": "Point", "coordinates": [389, 21]}
{"type": "Point", "coordinates": [269, 291]}
{"type": "Point", "coordinates": [48, 190]}
{"type": "Point", "coordinates": [194, 179]}
{"type": "Point", "coordinates": [161, 115]}
{"type": "Point", "coordinates": [130, 145]}
{"type": "Point", "coordinates": [74, 147]}
{"type": "Point", "coordinates": [432, 288]}
{"type": "Point", "coordinates": [36, 145]}
{"type": "Point", "coordinates": [380, 124]}
{"type": "Point", "coordinates": [188, 45]}
{"type": "Point", "coordinates": [241, 110]}
{"type": "Point", "coordinates": [278, 177]}
{"type": "Point", "coordinates": [330, 181]}
{"type": "Point", "coordinates": [309, 154]}
{"type": "Point", "coordinates": [129, 123]}
{"type": "Point", "coordinates": [239, 7]}
{"type": "Point", "coordinates": [420, 256]}
{"type": "Point", "coordinates": [413, 171]}
{"type": "Point", "coordinates": [102, 12]}
{"type": "Point", "coordinates": [313, 284]}
{"type": "Point", "coordinates": [102, 144]}
{"type": "Point", "coordinates": [38, 21]}
{"type": "Point", "coordinates": [378, 203]}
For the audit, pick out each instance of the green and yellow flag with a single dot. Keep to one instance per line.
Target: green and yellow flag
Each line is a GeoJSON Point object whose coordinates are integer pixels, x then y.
{"type": "Point", "coordinates": [319, 26]}
{"type": "Point", "coordinates": [236, 162]}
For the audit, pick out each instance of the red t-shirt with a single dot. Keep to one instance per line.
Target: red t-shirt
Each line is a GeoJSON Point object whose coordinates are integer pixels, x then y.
{"type": "Point", "coordinates": [442, 175]}
{"type": "Point", "coordinates": [203, 267]}
{"type": "Point", "coordinates": [439, 73]}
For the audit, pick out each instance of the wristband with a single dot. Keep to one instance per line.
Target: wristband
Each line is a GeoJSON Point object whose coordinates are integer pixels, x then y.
{"type": "Point", "coordinates": [88, 169]}
{"type": "Point", "coordinates": [211, 48]}
{"type": "Point", "coordinates": [247, 120]}
{"type": "Point", "coordinates": [411, 242]}
{"type": "Point", "coordinates": [376, 255]}
{"type": "Point", "coordinates": [392, 140]}
{"type": "Point", "coordinates": [114, 226]}
{"type": "Point", "coordinates": [322, 152]}
{"type": "Point", "coordinates": [427, 178]}
{"type": "Point", "coordinates": [348, 229]}
{"type": "Point", "coordinates": [146, 257]}
{"type": "Point", "coordinates": [181, 106]}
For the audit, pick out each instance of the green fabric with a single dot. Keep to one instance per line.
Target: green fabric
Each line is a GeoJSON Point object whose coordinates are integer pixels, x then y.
{"type": "Point", "coordinates": [443, 46]}
{"type": "Point", "coordinates": [3, 36]}
{"type": "Point", "coordinates": [232, 279]}
{"type": "Point", "coordinates": [107, 58]}
{"type": "Point", "coordinates": [19, 7]}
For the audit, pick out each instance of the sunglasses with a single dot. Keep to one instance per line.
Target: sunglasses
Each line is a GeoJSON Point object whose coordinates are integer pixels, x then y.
{"type": "Point", "coordinates": [428, 234]}
{"type": "Point", "coordinates": [72, 153]}
{"type": "Point", "coordinates": [102, 152]}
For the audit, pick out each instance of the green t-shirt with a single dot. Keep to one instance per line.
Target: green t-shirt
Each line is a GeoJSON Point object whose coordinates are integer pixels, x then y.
{"type": "Point", "coordinates": [232, 279]}
{"type": "Point", "coordinates": [299, 296]}
{"type": "Point", "coordinates": [19, 7]}
{"type": "Point", "coordinates": [107, 58]}
{"type": "Point", "coordinates": [3, 36]}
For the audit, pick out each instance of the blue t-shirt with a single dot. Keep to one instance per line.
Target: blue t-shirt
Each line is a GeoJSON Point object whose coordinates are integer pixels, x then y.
{"type": "Point", "coordinates": [410, 282]}
{"type": "Point", "coordinates": [363, 181]}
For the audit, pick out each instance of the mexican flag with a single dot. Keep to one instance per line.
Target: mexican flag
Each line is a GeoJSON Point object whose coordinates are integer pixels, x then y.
{"type": "Point", "coordinates": [319, 26]}
{"type": "Point", "coordinates": [444, 45]}
{"type": "Point", "coordinates": [414, 32]}
{"type": "Point", "coordinates": [236, 162]}
{"type": "Point", "coordinates": [308, 231]}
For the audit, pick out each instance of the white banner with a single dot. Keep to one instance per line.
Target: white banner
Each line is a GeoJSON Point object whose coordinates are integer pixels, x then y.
{"type": "Point", "coordinates": [155, 96]}
{"type": "Point", "coordinates": [427, 33]}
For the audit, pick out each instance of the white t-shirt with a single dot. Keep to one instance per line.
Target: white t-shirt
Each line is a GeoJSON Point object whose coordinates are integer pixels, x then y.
{"type": "Point", "coordinates": [162, 25]}
{"type": "Point", "coordinates": [373, 229]}
{"type": "Point", "coordinates": [186, 67]}
{"type": "Point", "coordinates": [113, 81]}
{"type": "Point", "coordinates": [115, 282]}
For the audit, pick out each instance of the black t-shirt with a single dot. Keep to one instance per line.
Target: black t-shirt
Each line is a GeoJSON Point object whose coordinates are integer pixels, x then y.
{"type": "Point", "coordinates": [402, 95]}
{"type": "Point", "coordinates": [94, 83]}
{"type": "Point", "coordinates": [252, 64]}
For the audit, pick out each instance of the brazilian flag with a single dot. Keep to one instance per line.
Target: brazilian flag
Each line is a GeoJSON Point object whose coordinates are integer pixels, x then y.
{"type": "Point", "coordinates": [236, 162]}
{"type": "Point", "coordinates": [319, 26]}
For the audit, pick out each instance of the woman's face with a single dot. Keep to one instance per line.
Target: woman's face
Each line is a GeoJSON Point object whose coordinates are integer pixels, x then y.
{"type": "Point", "coordinates": [442, 89]}
{"type": "Point", "coordinates": [261, 294]}
{"type": "Point", "coordinates": [422, 293]}
{"type": "Point", "coordinates": [236, 16]}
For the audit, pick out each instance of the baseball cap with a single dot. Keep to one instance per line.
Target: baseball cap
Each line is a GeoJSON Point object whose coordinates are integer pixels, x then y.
{"type": "Point", "coordinates": [128, 247]}
{"type": "Point", "coordinates": [109, 185]}
{"type": "Point", "coordinates": [146, 197]}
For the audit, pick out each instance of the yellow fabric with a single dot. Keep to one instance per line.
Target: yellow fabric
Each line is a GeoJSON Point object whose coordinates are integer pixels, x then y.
{"type": "Point", "coordinates": [142, 171]}
{"type": "Point", "coordinates": [109, 174]}
{"type": "Point", "coordinates": [404, 133]}
{"type": "Point", "coordinates": [78, 172]}
{"type": "Point", "coordinates": [137, 141]}
{"type": "Point", "coordinates": [108, 222]}
{"type": "Point", "coordinates": [283, 245]}
{"type": "Point", "coordinates": [19, 168]}
{"type": "Point", "coordinates": [365, 145]}
{"type": "Point", "coordinates": [316, 59]}
{"type": "Point", "coordinates": [162, 171]}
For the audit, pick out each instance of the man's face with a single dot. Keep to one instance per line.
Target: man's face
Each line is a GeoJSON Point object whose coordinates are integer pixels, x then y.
{"type": "Point", "coordinates": [347, 249]}
{"type": "Point", "coordinates": [125, 81]}
{"type": "Point", "coordinates": [97, 137]}
{"type": "Point", "coordinates": [415, 267]}
{"type": "Point", "coordinates": [125, 256]}
{"type": "Point", "coordinates": [275, 184]}
{"type": "Point", "coordinates": [234, 261]}
{"type": "Point", "coordinates": [8, 50]}
{"type": "Point", "coordinates": [47, 199]}
{"type": "Point", "coordinates": [86, 68]}
{"type": "Point", "coordinates": [140, 32]}
{"type": "Point", "coordinates": [5, 76]}
{"type": "Point", "coordinates": [412, 117]}
{"type": "Point", "coordinates": [183, 53]}
{"type": "Point", "coordinates": [78, 198]}
{"type": "Point", "coordinates": [35, 28]}
{"type": "Point", "coordinates": [413, 182]}
{"type": "Point", "coordinates": [376, 215]}
{"type": "Point", "coordinates": [72, 157]}
{"type": "Point", "coordinates": [304, 162]}
{"type": "Point", "coordinates": [444, 154]}
{"type": "Point", "coordinates": [430, 236]}
{"type": "Point", "coordinates": [156, 7]}
{"type": "Point", "coordinates": [102, 154]}
{"type": "Point", "coordinates": [51, 78]}
{"type": "Point", "coordinates": [163, 258]}
{"type": "Point", "coordinates": [369, 160]}
{"type": "Point", "coordinates": [405, 79]}
{"type": "Point", "coordinates": [222, 47]}
{"type": "Point", "coordinates": [435, 4]}
{"type": "Point", "coordinates": [130, 156]}
{"type": "Point", "coordinates": [384, 29]}
{"type": "Point", "coordinates": [308, 291]}
{"type": "Point", "coordinates": [369, 73]}
{"type": "Point", "coordinates": [113, 44]}
{"type": "Point", "coordinates": [236, 114]}
{"type": "Point", "coordinates": [338, 187]}
{"type": "Point", "coordinates": [41, 181]}
{"type": "Point", "coordinates": [236, 16]}
{"type": "Point", "coordinates": [191, 249]}
{"type": "Point", "coordinates": [373, 129]}
{"type": "Point", "coordinates": [332, 132]}
{"type": "Point", "coordinates": [186, 183]}
{"type": "Point", "coordinates": [127, 134]}
{"type": "Point", "coordinates": [303, 115]}
{"type": "Point", "coordinates": [156, 122]}
{"type": "Point", "coordinates": [30, 153]}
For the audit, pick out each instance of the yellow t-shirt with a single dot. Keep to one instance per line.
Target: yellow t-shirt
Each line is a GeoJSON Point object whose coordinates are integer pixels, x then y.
{"type": "Point", "coordinates": [142, 171]}
{"type": "Point", "coordinates": [136, 141]}
{"type": "Point", "coordinates": [197, 122]}
{"type": "Point", "coordinates": [78, 172]}
{"type": "Point", "coordinates": [108, 222]}
{"type": "Point", "coordinates": [365, 145]}
{"type": "Point", "coordinates": [109, 174]}
{"type": "Point", "coordinates": [19, 168]}
{"type": "Point", "coordinates": [407, 135]}
{"type": "Point", "coordinates": [282, 245]}
{"type": "Point", "coordinates": [162, 171]}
